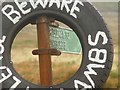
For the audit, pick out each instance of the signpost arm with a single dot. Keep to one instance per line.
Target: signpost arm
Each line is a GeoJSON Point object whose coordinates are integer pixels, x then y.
{"type": "Point", "coordinates": [44, 43]}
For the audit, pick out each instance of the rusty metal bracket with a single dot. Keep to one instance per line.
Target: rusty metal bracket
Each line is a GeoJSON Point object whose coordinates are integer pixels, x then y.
{"type": "Point", "coordinates": [46, 51]}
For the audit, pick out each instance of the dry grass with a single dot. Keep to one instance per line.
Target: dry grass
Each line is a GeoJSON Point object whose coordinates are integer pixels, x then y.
{"type": "Point", "coordinates": [30, 69]}
{"type": "Point", "coordinates": [113, 77]}
{"type": "Point", "coordinates": [63, 69]}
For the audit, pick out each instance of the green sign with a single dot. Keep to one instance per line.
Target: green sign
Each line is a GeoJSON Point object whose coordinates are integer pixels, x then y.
{"type": "Point", "coordinates": [64, 40]}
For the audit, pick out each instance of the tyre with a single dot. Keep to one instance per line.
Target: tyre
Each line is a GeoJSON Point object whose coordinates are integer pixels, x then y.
{"type": "Point", "coordinates": [86, 22]}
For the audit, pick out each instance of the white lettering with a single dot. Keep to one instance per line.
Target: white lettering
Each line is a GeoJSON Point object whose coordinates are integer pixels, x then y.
{"type": "Point", "coordinates": [77, 82]}
{"type": "Point", "coordinates": [92, 72]}
{"type": "Point", "coordinates": [55, 1]}
{"type": "Point", "coordinates": [43, 4]}
{"type": "Point", "coordinates": [15, 84]}
{"type": "Point", "coordinates": [21, 6]}
{"type": "Point", "coordinates": [97, 57]}
{"type": "Point", "coordinates": [75, 8]}
{"type": "Point", "coordinates": [100, 33]}
{"type": "Point", "coordinates": [15, 15]}
{"type": "Point", "coordinates": [65, 4]}
{"type": "Point", "coordinates": [1, 57]}
{"type": "Point", "coordinates": [9, 15]}
{"type": "Point", "coordinates": [27, 88]}
{"type": "Point", "coordinates": [2, 49]}
{"type": "Point", "coordinates": [3, 39]}
{"type": "Point", "coordinates": [3, 75]}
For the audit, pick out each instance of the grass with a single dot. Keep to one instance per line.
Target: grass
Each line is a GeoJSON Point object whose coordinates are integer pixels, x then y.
{"type": "Point", "coordinates": [113, 77]}
{"type": "Point", "coordinates": [63, 69]}
{"type": "Point", "coordinates": [59, 64]}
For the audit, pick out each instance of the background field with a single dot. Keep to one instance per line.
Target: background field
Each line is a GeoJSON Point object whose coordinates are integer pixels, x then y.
{"type": "Point", "coordinates": [27, 65]}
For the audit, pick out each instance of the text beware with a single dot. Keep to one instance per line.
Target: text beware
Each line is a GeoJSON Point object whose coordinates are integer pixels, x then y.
{"type": "Point", "coordinates": [60, 4]}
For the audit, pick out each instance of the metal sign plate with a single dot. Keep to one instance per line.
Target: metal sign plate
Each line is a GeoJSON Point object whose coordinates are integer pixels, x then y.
{"type": "Point", "coordinates": [64, 40]}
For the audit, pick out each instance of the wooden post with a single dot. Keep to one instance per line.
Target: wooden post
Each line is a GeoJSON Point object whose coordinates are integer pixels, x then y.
{"type": "Point", "coordinates": [44, 43]}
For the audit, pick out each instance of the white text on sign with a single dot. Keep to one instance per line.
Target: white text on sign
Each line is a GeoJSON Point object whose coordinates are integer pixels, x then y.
{"type": "Point", "coordinates": [96, 59]}
{"type": "Point", "coordinates": [60, 4]}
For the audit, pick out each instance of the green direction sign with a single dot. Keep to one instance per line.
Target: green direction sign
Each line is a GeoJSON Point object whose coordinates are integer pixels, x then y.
{"type": "Point", "coordinates": [64, 40]}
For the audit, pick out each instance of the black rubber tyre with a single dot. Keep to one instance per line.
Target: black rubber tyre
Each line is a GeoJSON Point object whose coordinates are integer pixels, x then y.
{"type": "Point", "coordinates": [90, 28]}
